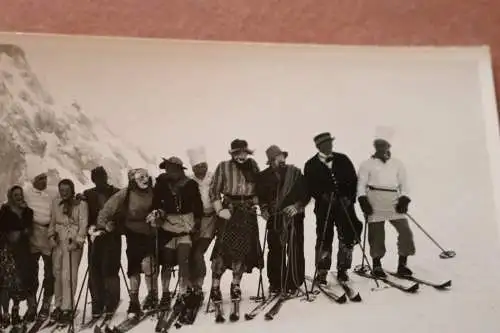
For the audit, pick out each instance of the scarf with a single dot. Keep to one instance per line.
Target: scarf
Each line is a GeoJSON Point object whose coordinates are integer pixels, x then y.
{"type": "Point", "coordinates": [68, 205]}
{"type": "Point", "coordinates": [249, 169]}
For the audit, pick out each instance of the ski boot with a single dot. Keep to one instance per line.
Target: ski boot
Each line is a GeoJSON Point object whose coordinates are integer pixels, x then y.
{"type": "Point", "coordinates": [56, 315]}
{"type": "Point", "coordinates": [29, 315]}
{"type": "Point", "coordinates": [378, 271]}
{"type": "Point", "coordinates": [342, 275]}
{"type": "Point", "coordinates": [321, 277]}
{"type": "Point", "coordinates": [198, 296]}
{"type": "Point", "coordinates": [45, 309]}
{"type": "Point", "coordinates": [5, 320]}
{"type": "Point", "coordinates": [216, 299]}
{"type": "Point", "coordinates": [273, 290]}
{"type": "Point", "coordinates": [134, 308]}
{"type": "Point", "coordinates": [166, 300]}
{"type": "Point", "coordinates": [15, 318]}
{"type": "Point", "coordinates": [235, 293]}
{"type": "Point", "coordinates": [403, 269]}
{"type": "Point", "coordinates": [151, 301]}
{"type": "Point", "coordinates": [189, 307]}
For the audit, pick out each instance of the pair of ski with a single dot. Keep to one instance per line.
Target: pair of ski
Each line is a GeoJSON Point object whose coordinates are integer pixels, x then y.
{"type": "Point", "coordinates": [127, 324]}
{"type": "Point", "coordinates": [339, 292]}
{"type": "Point", "coordinates": [396, 281]}
{"type": "Point", "coordinates": [219, 311]}
{"type": "Point", "coordinates": [277, 300]}
{"type": "Point", "coordinates": [171, 317]}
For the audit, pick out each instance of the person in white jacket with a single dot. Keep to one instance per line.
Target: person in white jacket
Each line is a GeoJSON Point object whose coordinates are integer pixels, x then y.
{"type": "Point", "coordinates": [67, 235]}
{"type": "Point", "coordinates": [204, 237]}
{"type": "Point", "coordinates": [39, 198]}
{"type": "Point", "coordinates": [383, 195]}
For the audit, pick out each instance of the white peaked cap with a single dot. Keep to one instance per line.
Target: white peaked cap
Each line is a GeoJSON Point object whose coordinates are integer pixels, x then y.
{"type": "Point", "coordinates": [197, 155]}
{"type": "Point", "coordinates": [384, 133]}
{"type": "Point", "coordinates": [35, 166]}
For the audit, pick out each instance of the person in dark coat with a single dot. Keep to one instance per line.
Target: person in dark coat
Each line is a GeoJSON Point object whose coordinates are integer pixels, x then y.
{"type": "Point", "coordinates": [104, 253]}
{"type": "Point", "coordinates": [332, 182]}
{"type": "Point", "coordinates": [16, 222]}
{"type": "Point", "coordinates": [283, 195]}
{"type": "Point", "coordinates": [178, 210]}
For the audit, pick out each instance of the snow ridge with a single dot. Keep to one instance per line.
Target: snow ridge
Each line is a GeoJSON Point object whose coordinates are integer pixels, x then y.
{"type": "Point", "coordinates": [68, 141]}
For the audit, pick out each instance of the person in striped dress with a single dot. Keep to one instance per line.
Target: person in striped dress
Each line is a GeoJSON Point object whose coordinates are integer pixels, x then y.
{"type": "Point", "coordinates": [234, 198]}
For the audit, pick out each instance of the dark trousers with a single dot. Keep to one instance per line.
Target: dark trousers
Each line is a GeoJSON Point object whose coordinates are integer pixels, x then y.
{"type": "Point", "coordinates": [376, 238]}
{"type": "Point", "coordinates": [197, 260]}
{"type": "Point", "coordinates": [324, 242]}
{"type": "Point", "coordinates": [104, 257]}
{"type": "Point", "coordinates": [48, 275]}
{"type": "Point", "coordinates": [285, 258]}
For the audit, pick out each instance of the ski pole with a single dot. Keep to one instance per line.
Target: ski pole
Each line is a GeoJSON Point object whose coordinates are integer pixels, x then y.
{"type": "Point", "coordinates": [358, 240]}
{"type": "Point", "coordinates": [71, 325]}
{"type": "Point", "coordinates": [445, 254]}
{"type": "Point", "coordinates": [365, 231]}
{"type": "Point", "coordinates": [327, 218]}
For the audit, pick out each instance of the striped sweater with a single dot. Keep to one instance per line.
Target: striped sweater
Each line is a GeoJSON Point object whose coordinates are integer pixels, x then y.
{"type": "Point", "coordinates": [229, 180]}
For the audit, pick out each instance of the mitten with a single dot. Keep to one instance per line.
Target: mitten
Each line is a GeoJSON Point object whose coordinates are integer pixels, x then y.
{"type": "Point", "coordinates": [224, 214]}
{"type": "Point", "coordinates": [53, 241]}
{"type": "Point", "coordinates": [402, 205]}
{"type": "Point", "coordinates": [291, 210]}
{"type": "Point", "coordinates": [366, 207]}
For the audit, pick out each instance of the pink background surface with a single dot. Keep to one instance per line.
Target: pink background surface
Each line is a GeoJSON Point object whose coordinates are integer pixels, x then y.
{"type": "Point", "coordinates": [379, 22]}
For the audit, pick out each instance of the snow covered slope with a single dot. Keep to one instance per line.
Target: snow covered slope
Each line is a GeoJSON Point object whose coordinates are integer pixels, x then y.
{"type": "Point", "coordinates": [35, 128]}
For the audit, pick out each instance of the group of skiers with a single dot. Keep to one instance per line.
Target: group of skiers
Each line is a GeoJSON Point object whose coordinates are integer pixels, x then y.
{"type": "Point", "coordinates": [171, 222]}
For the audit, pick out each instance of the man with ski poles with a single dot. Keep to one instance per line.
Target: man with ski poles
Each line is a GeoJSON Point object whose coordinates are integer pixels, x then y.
{"type": "Point", "coordinates": [332, 182]}
{"type": "Point", "coordinates": [283, 195]}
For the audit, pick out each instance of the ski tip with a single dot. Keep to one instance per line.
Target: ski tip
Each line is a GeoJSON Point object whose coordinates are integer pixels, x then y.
{"type": "Point", "coordinates": [444, 285]}
{"type": "Point", "coordinates": [342, 299]}
{"type": "Point", "coordinates": [414, 288]}
{"type": "Point", "coordinates": [356, 298]}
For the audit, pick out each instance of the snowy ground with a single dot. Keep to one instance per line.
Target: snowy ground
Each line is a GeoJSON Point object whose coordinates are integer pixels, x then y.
{"type": "Point", "coordinates": [470, 305]}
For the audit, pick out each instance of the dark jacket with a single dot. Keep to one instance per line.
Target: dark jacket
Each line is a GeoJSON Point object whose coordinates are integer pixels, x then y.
{"type": "Point", "coordinates": [190, 198]}
{"type": "Point", "coordinates": [91, 196]}
{"type": "Point", "coordinates": [320, 180]}
{"type": "Point", "coordinates": [291, 185]}
{"type": "Point", "coordinates": [11, 222]}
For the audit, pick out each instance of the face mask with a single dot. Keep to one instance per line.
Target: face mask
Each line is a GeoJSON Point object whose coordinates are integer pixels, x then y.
{"type": "Point", "coordinates": [141, 178]}
{"type": "Point", "coordinates": [241, 158]}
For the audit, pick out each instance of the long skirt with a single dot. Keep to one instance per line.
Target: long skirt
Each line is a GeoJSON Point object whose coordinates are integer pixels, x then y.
{"type": "Point", "coordinates": [238, 241]}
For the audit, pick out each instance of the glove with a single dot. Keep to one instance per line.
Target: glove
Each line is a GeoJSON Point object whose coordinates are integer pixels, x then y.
{"type": "Point", "coordinates": [402, 205]}
{"type": "Point", "coordinates": [291, 210]}
{"type": "Point", "coordinates": [366, 207]}
{"type": "Point", "coordinates": [53, 241]}
{"type": "Point", "coordinates": [74, 245]}
{"type": "Point", "coordinates": [80, 197]}
{"type": "Point", "coordinates": [327, 197]}
{"type": "Point", "coordinates": [345, 201]}
{"type": "Point", "coordinates": [197, 226]}
{"type": "Point", "coordinates": [94, 233]}
{"type": "Point", "coordinates": [154, 218]}
{"type": "Point", "coordinates": [110, 226]}
{"type": "Point", "coordinates": [224, 214]}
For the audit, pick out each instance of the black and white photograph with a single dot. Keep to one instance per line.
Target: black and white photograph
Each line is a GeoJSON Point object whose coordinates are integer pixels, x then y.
{"type": "Point", "coordinates": [152, 185]}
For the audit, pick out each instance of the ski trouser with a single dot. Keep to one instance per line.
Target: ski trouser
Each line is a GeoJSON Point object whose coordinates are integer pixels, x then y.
{"type": "Point", "coordinates": [201, 243]}
{"type": "Point", "coordinates": [376, 238]}
{"type": "Point", "coordinates": [104, 258]}
{"type": "Point", "coordinates": [344, 218]}
{"type": "Point", "coordinates": [48, 274]}
{"type": "Point", "coordinates": [66, 276]}
{"type": "Point", "coordinates": [285, 241]}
